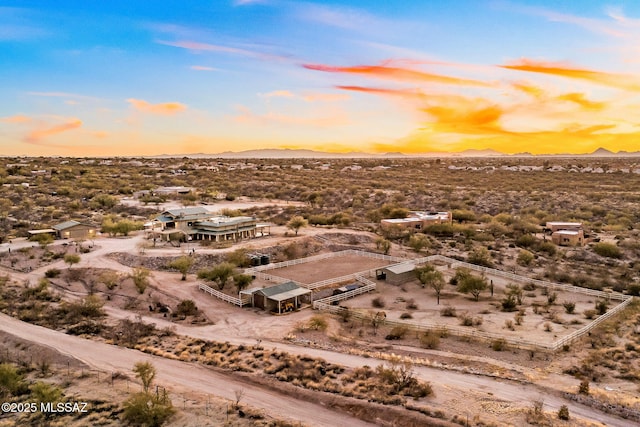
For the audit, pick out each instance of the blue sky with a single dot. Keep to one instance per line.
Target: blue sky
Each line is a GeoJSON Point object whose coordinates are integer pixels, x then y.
{"type": "Point", "coordinates": [140, 78]}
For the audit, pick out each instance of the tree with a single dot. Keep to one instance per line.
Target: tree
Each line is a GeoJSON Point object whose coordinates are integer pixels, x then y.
{"type": "Point", "coordinates": [296, 223]}
{"type": "Point", "coordinates": [146, 372]}
{"type": "Point", "coordinates": [140, 278]}
{"type": "Point", "coordinates": [219, 274]}
{"type": "Point", "coordinates": [242, 281]}
{"type": "Point", "coordinates": [473, 285]}
{"type": "Point", "coordinates": [480, 256]}
{"type": "Point", "coordinates": [182, 264]}
{"type": "Point", "coordinates": [383, 244]}
{"type": "Point", "coordinates": [418, 242]}
{"type": "Point", "coordinates": [43, 239]}
{"type": "Point", "coordinates": [71, 259]}
{"type": "Point", "coordinates": [431, 277]}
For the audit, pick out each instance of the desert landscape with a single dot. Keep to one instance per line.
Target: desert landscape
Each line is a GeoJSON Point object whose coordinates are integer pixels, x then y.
{"type": "Point", "coordinates": [281, 213]}
{"type": "Point", "coordinates": [379, 328]}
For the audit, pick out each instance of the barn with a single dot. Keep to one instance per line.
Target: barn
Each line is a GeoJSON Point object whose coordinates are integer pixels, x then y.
{"type": "Point", "coordinates": [282, 298]}
{"type": "Point", "coordinates": [397, 274]}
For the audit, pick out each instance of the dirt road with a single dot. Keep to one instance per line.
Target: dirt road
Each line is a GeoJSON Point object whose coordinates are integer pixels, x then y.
{"type": "Point", "coordinates": [182, 376]}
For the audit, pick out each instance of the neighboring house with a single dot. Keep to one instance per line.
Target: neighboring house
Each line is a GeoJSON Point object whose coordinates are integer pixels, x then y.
{"type": "Point", "coordinates": [566, 233]}
{"type": "Point", "coordinates": [282, 298]}
{"type": "Point", "coordinates": [419, 220]}
{"type": "Point", "coordinates": [197, 223]}
{"type": "Point", "coordinates": [75, 230]}
{"type": "Point", "coordinates": [397, 274]}
{"type": "Point", "coordinates": [568, 238]}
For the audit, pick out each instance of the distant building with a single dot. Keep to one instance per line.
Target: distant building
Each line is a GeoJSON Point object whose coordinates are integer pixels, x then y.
{"type": "Point", "coordinates": [75, 230]}
{"type": "Point", "coordinates": [419, 220]}
{"type": "Point", "coordinates": [566, 233]}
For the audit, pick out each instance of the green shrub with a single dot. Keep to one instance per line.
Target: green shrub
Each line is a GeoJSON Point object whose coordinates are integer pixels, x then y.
{"type": "Point", "coordinates": [608, 250]}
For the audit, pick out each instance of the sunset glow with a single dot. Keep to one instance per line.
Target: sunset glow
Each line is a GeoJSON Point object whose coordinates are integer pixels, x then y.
{"type": "Point", "coordinates": [128, 78]}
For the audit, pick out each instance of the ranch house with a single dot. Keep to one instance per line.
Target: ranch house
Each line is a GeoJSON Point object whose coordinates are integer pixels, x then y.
{"type": "Point", "coordinates": [197, 223]}
{"type": "Point", "coordinates": [566, 233]}
{"type": "Point", "coordinates": [419, 220]}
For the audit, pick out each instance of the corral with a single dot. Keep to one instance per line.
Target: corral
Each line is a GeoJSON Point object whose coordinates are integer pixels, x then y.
{"type": "Point", "coordinates": [540, 321]}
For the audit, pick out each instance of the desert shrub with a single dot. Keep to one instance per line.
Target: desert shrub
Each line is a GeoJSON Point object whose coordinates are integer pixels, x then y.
{"type": "Point", "coordinates": [552, 297]}
{"type": "Point", "coordinates": [608, 250]}
{"type": "Point", "coordinates": [498, 344]}
{"type": "Point", "coordinates": [508, 323]}
{"type": "Point", "coordinates": [411, 304]}
{"type": "Point", "coordinates": [52, 273]}
{"type": "Point", "coordinates": [397, 333]}
{"type": "Point", "coordinates": [569, 306]}
{"type": "Point", "coordinates": [430, 339]}
{"type": "Point", "coordinates": [448, 311]}
{"type": "Point", "coordinates": [563, 413]}
{"type": "Point", "coordinates": [526, 241]}
{"type": "Point", "coordinates": [11, 381]}
{"type": "Point", "coordinates": [583, 388]}
{"type": "Point", "coordinates": [548, 327]}
{"type": "Point", "coordinates": [378, 302]}
{"type": "Point", "coordinates": [509, 303]}
{"type": "Point", "coordinates": [518, 318]}
{"type": "Point", "coordinates": [186, 308]}
{"type": "Point", "coordinates": [589, 314]}
{"type": "Point", "coordinates": [406, 316]}
{"type": "Point", "coordinates": [634, 289]}
{"type": "Point", "coordinates": [318, 323]}
{"type": "Point", "coordinates": [525, 258]}
{"type": "Point", "coordinates": [601, 307]}
{"type": "Point", "coordinates": [547, 247]}
{"type": "Point", "coordinates": [148, 409]}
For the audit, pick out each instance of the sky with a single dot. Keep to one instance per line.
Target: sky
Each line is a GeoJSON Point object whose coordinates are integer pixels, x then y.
{"type": "Point", "coordinates": [133, 78]}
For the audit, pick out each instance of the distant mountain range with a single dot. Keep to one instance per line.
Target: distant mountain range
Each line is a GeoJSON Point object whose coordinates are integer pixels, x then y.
{"type": "Point", "coordinates": [275, 153]}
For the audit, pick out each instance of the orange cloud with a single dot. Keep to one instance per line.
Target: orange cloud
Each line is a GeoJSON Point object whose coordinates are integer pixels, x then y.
{"type": "Point", "coordinates": [167, 108]}
{"type": "Point", "coordinates": [395, 73]}
{"type": "Point", "coordinates": [277, 94]}
{"type": "Point", "coordinates": [36, 135]}
{"type": "Point", "coordinates": [581, 100]}
{"type": "Point", "coordinates": [16, 119]}
{"type": "Point", "coordinates": [619, 81]}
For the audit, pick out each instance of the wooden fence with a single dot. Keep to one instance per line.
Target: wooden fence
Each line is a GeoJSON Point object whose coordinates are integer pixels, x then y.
{"type": "Point", "coordinates": [224, 297]}
{"type": "Point", "coordinates": [470, 332]}
{"type": "Point", "coordinates": [368, 287]}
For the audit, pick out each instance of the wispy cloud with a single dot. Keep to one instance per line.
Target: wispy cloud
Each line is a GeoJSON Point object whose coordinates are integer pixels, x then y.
{"type": "Point", "coordinates": [43, 130]}
{"type": "Point", "coordinates": [277, 94]}
{"type": "Point", "coordinates": [620, 81]}
{"type": "Point", "coordinates": [247, 116]}
{"type": "Point", "coordinates": [202, 68]}
{"type": "Point", "coordinates": [200, 47]}
{"type": "Point", "coordinates": [166, 109]}
{"type": "Point", "coordinates": [248, 2]}
{"type": "Point", "coordinates": [16, 25]}
{"type": "Point", "coordinates": [396, 73]}
{"type": "Point", "coordinates": [18, 118]}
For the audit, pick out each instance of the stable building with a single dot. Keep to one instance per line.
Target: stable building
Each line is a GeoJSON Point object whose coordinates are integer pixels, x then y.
{"type": "Point", "coordinates": [397, 274]}
{"type": "Point", "coordinates": [283, 298]}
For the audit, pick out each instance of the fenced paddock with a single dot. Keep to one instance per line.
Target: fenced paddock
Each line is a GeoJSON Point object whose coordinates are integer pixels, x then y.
{"type": "Point", "coordinates": [531, 334]}
{"type": "Point", "coordinates": [326, 269]}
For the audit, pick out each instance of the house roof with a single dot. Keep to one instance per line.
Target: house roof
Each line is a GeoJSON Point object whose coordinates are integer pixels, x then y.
{"type": "Point", "coordinates": [567, 232]}
{"type": "Point", "coordinates": [563, 224]}
{"type": "Point", "coordinates": [400, 268]}
{"type": "Point", "coordinates": [283, 291]}
{"type": "Point", "coordinates": [65, 225]}
{"type": "Point", "coordinates": [222, 220]}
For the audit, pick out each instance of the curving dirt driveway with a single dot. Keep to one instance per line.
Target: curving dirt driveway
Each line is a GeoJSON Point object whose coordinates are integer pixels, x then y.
{"type": "Point", "coordinates": [182, 376]}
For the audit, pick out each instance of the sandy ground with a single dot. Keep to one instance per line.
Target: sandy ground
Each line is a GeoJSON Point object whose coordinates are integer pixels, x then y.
{"type": "Point", "coordinates": [245, 326]}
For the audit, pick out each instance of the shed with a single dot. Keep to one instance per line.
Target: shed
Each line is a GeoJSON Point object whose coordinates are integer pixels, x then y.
{"type": "Point", "coordinates": [397, 274]}
{"type": "Point", "coordinates": [74, 230]}
{"type": "Point", "coordinates": [282, 298]}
